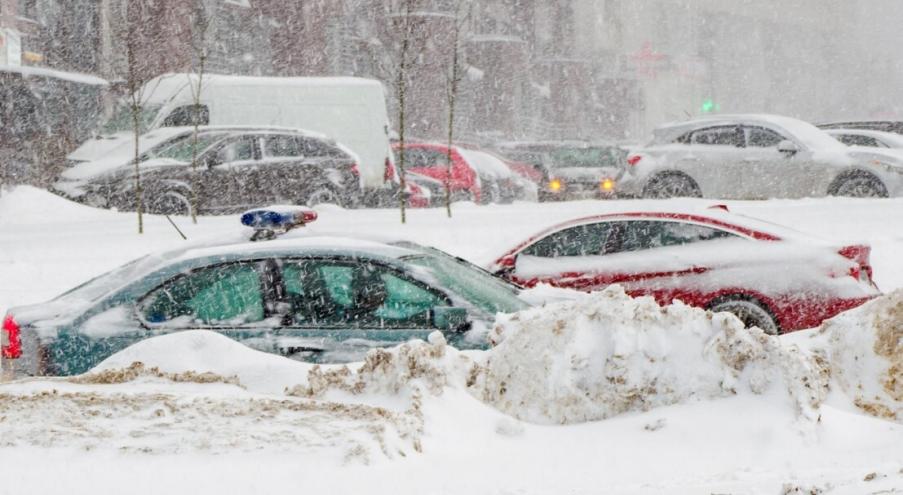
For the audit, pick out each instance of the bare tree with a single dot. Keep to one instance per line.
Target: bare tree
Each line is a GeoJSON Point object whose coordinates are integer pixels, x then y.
{"type": "Point", "coordinates": [135, 86]}
{"type": "Point", "coordinates": [453, 80]}
{"type": "Point", "coordinates": [406, 25]}
{"type": "Point", "coordinates": [200, 23]}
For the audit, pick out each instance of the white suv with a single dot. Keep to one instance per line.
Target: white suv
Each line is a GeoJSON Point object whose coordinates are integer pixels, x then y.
{"type": "Point", "coordinates": [755, 156]}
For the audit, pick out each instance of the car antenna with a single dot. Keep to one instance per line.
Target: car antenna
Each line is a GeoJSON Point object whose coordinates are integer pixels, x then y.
{"type": "Point", "coordinates": [176, 227]}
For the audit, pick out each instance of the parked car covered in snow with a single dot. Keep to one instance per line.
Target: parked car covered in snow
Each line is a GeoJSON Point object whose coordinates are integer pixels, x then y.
{"type": "Point", "coordinates": [571, 169]}
{"type": "Point", "coordinates": [236, 168]}
{"type": "Point", "coordinates": [475, 175]}
{"type": "Point", "coordinates": [310, 297]}
{"type": "Point", "coordinates": [754, 157]}
{"type": "Point", "coordinates": [771, 277]}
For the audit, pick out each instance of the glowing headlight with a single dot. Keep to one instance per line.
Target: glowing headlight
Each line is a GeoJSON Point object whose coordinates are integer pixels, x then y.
{"type": "Point", "coordinates": [607, 185]}
{"type": "Point", "coordinates": [555, 185]}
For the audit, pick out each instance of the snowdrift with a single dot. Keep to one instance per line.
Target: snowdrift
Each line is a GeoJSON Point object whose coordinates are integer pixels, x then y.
{"type": "Point", "coordinates": [595, 357]}
{"type": "Point", "coordinates": [865, 350]}
{"type": "Point", "coordinates": [609, 354]}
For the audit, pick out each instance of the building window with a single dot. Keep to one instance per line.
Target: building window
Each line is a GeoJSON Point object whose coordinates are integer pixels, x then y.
{"type": "Point", "coordinates": [27, 9]}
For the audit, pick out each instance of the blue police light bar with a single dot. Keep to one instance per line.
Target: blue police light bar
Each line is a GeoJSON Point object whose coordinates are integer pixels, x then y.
{"type": "Point", "coordinates": [277, 219]}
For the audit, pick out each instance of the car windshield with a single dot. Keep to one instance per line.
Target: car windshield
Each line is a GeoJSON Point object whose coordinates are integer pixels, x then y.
{"type": "Point", "coordinates": [585, 157]}
{"type": "Point", "coordinates": [122, 119]}
{"type": "Point", "coordinates": [104, 284]}
{"type": "Point", "coordinates": [182, 147]}
{"type": "Point", "coordinates": [470, 282]}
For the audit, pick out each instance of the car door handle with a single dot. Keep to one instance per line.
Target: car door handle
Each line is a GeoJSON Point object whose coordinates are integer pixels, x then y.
{"type": "Point", "coordinates": [291, 350]}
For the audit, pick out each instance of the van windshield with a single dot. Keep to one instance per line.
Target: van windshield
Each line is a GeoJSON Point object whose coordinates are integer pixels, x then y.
{"type": "Point", "coordinates": [121, 120]}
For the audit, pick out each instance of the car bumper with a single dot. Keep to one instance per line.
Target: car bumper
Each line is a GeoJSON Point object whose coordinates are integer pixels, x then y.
{"type": "Point", "coordinates": [799, 315]}
{"type": "Point", "coordinates": [579, 190]}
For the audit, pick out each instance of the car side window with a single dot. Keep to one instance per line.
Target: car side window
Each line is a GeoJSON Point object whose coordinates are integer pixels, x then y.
{"type": "Point", "coordinates": [760, 137]}
{"type": "Point", "coordinates": [421, 158]}
{"type": "Point", "coordinates": [330, 293]}
{"type": "Point", "coordinates": [317, 148]}
{"type": "Point", "coordinates": [281, 146]}
{"type": "Point", "coordinates": [650, 234]}
{"type": "Point", "coordinates": [583, 240]}
{"type": "Point", "coordinates": [241, 149]}
{"type": "Point", "coordinates": [856, 140]}
{"type": "Point", "coordinates": [229, 294]}
{"type": "Point", "coordinates": [719, 136]}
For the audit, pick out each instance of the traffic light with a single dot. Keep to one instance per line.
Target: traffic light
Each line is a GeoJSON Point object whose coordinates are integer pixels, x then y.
{"type": "Point", "coordinates": [709, 106]}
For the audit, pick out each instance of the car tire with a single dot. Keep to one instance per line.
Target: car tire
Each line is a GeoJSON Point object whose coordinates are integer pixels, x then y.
{"type": "Point", "coordinates": [750, 311]}
{"type": "Point", "coordinates": [671, 185]}
{"type": "Point", "coordinates": [858, 184]}
{"type": "Point", "coordinates": [322, 194]}
{"type": "Point", "coordinates": [171, 203]}
{"type": "Point", "coordinates": [491, 194]}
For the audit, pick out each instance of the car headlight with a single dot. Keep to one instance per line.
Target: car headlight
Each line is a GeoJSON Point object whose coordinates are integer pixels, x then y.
{"type": "Point", "coordinates": [555, 185]}
{"type": "Point", "coordinates": [607, 185]}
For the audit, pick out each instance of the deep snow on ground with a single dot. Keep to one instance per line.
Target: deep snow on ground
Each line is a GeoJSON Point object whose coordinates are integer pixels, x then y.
{"type": "Point", "coordinates": [198, 417]}
{"type": "Point", "coordinates": [206, 415]}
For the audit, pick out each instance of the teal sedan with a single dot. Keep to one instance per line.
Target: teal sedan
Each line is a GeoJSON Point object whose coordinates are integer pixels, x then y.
{"type": "Point", "coordinates": [312, 298]}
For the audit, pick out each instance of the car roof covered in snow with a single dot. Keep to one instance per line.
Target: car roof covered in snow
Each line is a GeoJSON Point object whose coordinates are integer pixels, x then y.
{"type": "Point", "coordinates": [715, 215]}
{"type": "Point", "coordinates": [888, 137]}
{"type": "Point", "coordinates": [808, 135]}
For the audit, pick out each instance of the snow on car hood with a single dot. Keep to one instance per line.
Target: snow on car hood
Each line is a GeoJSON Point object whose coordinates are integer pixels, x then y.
{"type": "Point", "coordinates": [485, 164]}
{"type": "Point", "coordinates": [889, 157]}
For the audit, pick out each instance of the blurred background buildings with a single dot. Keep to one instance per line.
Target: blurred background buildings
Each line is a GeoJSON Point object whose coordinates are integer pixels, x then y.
{"type": "Point", "coordinates": [532, 69]}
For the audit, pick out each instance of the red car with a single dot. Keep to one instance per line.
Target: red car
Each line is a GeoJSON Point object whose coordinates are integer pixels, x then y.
{"type": "Point", "coordinates": [429, 160]}
{"type": "Point", "coordinates": [771, 277]}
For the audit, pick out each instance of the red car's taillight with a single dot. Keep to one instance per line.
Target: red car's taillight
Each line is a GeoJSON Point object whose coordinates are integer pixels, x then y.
{"type": "Point", "coordinates": [633, 160]}
{"type": "Point", "coordinates": [11, 339]}
{"type": "Point", "coordinates": [860, 254]}
{"type": "Point", "coordinates": [388, 171]}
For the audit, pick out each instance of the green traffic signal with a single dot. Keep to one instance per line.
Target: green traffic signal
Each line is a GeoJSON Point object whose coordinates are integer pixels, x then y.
{"type": "Point", "coordinates": [709, 106]}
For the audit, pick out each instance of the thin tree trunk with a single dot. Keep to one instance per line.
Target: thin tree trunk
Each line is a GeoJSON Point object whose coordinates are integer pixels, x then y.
{"type": "Point", "coordinates": [135, 108]}
{"type": "Point", "coordinates": [195, 183]}
{"type": "Point", "coordinates": [452, 96]}
{"type": "Point", "coordinates": [401, 89]}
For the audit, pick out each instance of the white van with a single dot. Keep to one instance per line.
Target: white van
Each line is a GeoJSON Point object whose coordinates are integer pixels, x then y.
{"type": "Point", "coordinates": [350, 110]}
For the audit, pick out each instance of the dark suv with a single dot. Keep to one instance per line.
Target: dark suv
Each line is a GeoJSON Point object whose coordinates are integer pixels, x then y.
{"type": "Point", "coordinates": [236, 168]}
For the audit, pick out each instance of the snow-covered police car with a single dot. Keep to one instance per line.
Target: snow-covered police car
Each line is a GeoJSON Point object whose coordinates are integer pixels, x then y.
{"type": "Point", "coordinates": [308, 297]}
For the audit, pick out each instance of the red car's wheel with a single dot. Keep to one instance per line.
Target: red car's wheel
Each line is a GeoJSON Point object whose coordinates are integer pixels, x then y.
{"type": "Point", "coordinates": [750, 311]}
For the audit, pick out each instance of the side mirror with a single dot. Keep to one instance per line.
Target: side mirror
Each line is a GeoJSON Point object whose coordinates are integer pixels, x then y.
{"type": "Point", "coordinates": [505, 265]}
{"type": "Point", "coordinates": [212, 160]}
{"type": "Point", "coordinates": [449, 318]}
{"type": "Point", "coordinates": [788, 147]}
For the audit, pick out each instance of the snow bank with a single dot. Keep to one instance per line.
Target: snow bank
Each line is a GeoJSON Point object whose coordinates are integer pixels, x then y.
{"type": "Point", "coordinates": [609, 354]}
{"type": "Point", "coordinates": [204, 351]}
{"type": "Point", "coordinates": [865, 350]}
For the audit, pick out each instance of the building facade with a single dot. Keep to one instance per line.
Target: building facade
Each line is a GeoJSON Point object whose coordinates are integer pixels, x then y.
{"type": "Point", "coordinates": [530, 69]}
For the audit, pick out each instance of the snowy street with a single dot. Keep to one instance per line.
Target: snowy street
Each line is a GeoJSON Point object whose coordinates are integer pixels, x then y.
{"type": "Point", "coordinates": [211, 416]}
{"type": "Point", "coordinates": [451, 247]}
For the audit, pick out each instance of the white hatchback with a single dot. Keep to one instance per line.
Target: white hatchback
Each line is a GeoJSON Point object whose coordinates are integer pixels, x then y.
{"type": "Point", "coordinates": [754, 157]}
